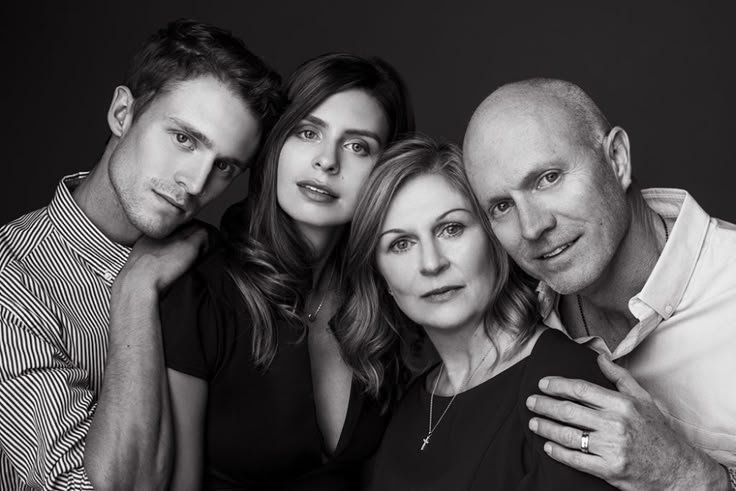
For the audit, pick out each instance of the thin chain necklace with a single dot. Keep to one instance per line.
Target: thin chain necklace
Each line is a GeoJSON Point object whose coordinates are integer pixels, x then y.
{"type": "Point", "coordinates": [580, 305]}
{"type": "Point", "coordinates": [313, 316]}
{"type": "Point", "coordinates": [430, 429]}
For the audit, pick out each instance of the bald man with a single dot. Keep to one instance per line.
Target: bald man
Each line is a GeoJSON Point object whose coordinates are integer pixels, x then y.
{"type": "Point", "coordinates": [644, 277]}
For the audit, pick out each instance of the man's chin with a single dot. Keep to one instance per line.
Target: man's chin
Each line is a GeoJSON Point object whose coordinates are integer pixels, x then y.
{"type": "Point", "coordinates": [566, 284]}
{"type": "Point", "coordinates": [158, 230]}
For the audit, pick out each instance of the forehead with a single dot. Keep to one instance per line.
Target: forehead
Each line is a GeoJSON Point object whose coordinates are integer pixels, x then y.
{"type": "Point", "coordinates": [210, 107]}
{"type": "Point", "coordinates": [422, 199]}
{"type": "Point", "coordinates": [504, 148]}
{"type": "Point", "coordinates": [353, 109]}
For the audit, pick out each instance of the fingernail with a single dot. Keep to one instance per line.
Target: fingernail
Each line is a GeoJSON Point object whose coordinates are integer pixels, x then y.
{"type": "Point", "coordinates": [548, 448]}
{"type": "Point", "coordinates": [533, 424]}
{"type": "Point", "coordinates": [543, 383]}
{"type": "Point", "coordinates": [531, 401]}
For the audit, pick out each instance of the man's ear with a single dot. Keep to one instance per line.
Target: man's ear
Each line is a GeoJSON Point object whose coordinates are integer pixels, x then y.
{"type": "Point", "coordinates": [120, 114]}
{"type": "Point", "coordinates": [618, 155]}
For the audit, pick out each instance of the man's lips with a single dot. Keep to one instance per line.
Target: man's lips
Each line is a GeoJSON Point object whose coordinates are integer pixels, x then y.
{"type": "Point", "coordinates": [181, 206]}
{"type": "Point", "coordinates": [441, 290]}
{"type": "Point", "coordinates": [557, 250]}
{"type": "Point", "coordinates": [317, 187]}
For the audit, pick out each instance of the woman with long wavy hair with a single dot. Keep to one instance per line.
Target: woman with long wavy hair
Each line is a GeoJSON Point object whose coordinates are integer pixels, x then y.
{"type": "Point", "coordinates": [422, 262]}
{"type": "Point", "coordinates": [260, 394]}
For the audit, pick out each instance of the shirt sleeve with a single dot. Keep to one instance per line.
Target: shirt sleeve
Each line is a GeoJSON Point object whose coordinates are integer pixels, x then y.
{"type": "Point", "coordinates": [191, 322]}
{"type": "Point", "coordinates": [46, 407]}
{"type": "Point", "coordinates": [559, 356]}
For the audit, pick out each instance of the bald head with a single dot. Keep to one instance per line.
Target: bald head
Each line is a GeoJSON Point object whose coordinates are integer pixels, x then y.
{"type": "Point", "coordinates": [552, 176]}
{"type": "Point", "coordinates": [557, 102]}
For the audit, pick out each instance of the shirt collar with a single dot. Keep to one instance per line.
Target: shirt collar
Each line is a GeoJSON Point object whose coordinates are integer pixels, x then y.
{"type": "Point", "coordinates": [667, 282]}
{"type": "Point", "coordinates": [106, 257]}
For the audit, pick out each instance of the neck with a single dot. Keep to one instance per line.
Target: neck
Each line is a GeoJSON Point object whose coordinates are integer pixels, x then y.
{"type": "Point", "coordinates": [606, 300]}
{"type": "Point", "coordinates": [98, 200]}
{"type": "Point", "coordinates": [461, 351]}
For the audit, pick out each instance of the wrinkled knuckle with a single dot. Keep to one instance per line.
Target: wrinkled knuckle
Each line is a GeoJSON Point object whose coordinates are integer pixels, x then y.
{"type": "Point", "coordinates": [628, 408]}
{"type": "Point", "coordinates": [580, 388]}
{"type": "Point", "coordinates": [567, 410]}
{"type": "Point", "coordinates": [576, 459]}
{"type": "Point", "coordinates": [571, 437]}
{"type": "Point", "coordinates": [616, 469]}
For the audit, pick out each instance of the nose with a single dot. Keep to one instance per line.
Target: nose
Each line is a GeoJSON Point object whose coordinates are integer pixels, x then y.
{"type": "Point", "coordinates": [327, 159]}
{"type": "Point", "coordinates": [193, 177]}
{"type": "Point", "coordinates": [534, 219]}
{"type": "Point", "coordinates": [433, 260]}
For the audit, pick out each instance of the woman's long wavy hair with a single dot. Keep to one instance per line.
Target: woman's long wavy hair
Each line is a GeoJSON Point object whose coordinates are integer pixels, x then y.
{"type": "Point", "coordinates": [376, 336]}
{"type": "Point", "coordinates": [266, 256]}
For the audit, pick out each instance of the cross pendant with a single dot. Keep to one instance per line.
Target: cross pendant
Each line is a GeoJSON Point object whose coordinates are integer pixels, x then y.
{"type": "Point", "coordinates": [426, 441]}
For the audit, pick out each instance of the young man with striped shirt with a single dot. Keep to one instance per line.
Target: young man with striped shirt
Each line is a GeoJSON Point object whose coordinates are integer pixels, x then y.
{"type": "Point", "coordinates": [83, 391]}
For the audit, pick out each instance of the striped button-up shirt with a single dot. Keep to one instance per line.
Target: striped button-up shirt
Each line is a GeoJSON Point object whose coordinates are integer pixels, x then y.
{"type": "Point", "coordinates": [56, 274]}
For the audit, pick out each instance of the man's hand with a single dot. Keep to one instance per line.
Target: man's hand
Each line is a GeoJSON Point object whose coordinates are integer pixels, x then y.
{"type": "Point", "coordinates": [158, 263]}
{"type": "Point", "coordinates": [631, 445]}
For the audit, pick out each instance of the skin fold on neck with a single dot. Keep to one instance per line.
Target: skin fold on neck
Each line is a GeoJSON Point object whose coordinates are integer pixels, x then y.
{"type": "Point", "coordinates": [605, 302]}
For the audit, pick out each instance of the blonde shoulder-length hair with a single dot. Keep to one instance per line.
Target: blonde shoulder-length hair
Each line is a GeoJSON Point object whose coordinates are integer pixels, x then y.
{"type": "Point", "coordinates": [374, 333]}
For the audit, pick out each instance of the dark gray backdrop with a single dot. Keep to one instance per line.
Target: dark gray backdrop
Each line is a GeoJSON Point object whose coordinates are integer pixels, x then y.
{"type": "Point", "coordinates": [662, 70]}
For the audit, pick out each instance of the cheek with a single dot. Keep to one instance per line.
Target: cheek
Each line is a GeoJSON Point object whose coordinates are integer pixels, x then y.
{"type": "Point", "coordinates": [397, 274]}
{"type": "Point", "coordinates": [355, 176]}
{"type": "Point", "coordinates": [508, 235]}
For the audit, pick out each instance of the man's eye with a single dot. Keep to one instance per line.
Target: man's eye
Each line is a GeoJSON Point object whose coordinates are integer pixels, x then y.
{"type": "Point", "coordinates": [549, 178]}
{"type": "Point", "coordinates": [499, 209]}
{"type": "Point", "coordinates": [225, 167]}
{"type": "Point", "coordinates": [184, 140]}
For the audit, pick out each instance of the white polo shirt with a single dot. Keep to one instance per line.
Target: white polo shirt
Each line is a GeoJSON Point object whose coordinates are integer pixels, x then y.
{"type": "Point", "coordinates": [683, 350]}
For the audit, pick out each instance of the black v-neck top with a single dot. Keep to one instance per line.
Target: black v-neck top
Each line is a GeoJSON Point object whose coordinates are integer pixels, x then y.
{"type": "Point", "coordinates": [261, 427]}
{"type": "Point", "coordinates": [483, 442]}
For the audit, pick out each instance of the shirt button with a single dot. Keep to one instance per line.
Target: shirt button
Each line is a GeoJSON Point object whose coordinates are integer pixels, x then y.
{"type": "Point", "coordinates": [108, 276]}
{"type": "Point", "coordinates": [668, 308]}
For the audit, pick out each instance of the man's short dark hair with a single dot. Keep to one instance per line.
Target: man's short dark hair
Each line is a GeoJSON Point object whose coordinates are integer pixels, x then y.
{"type": "Point", "coordinates": [187, 49]}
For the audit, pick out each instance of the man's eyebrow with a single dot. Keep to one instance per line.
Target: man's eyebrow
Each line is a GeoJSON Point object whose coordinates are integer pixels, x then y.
{"type": "Point", "coordinates": [192, 131]}
{"type": "Point", "coordinates": [440, 217]}
{"type": "Point", "coordinates": [529, 179]}
{"type": "Point", "coordinates": [350, 132]}
{"type": "Point", "coordinates": [207, 142]}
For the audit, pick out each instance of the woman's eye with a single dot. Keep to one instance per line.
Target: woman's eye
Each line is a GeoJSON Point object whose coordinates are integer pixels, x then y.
{"type": "Point", "coordinates": [400, 245]}
{"type": "Point", "coordinates": [453, 229]}
{"type": "Point", "coordinates": [308, 134]}
{"type": "Point", "coordinates": [358, 147]}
